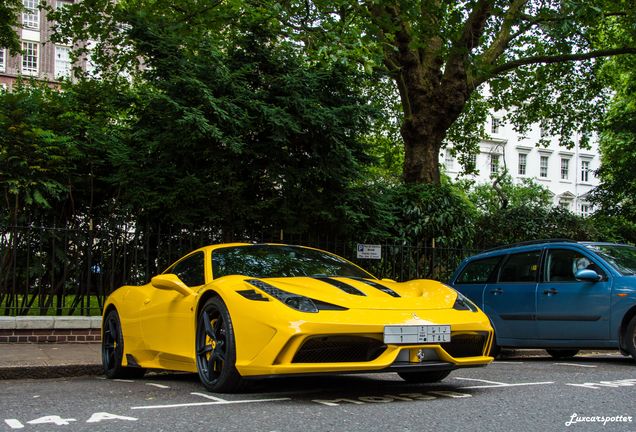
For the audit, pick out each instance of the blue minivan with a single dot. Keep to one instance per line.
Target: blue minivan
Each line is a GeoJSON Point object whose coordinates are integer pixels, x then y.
{"type": "Point", "coordinates": [555, 294]}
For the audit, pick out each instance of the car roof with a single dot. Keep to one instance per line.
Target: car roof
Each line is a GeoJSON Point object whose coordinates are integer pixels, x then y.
{"type": "Point", "coordinates": [533, 244]}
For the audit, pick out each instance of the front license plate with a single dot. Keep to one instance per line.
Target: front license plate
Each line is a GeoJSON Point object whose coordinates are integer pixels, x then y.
{"type": "Point", "coordinates": [394, 334]}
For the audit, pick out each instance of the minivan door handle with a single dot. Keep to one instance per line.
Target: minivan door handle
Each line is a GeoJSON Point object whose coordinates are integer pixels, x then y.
{"type": "Point", "coordinates": [496, 291]}
{"type": "Point", "coordinates": [551, 291]}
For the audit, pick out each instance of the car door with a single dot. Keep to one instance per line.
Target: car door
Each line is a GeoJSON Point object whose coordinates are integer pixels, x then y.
{"type": "Point", "coordinates": [168, 317]}
{"type": "Point", "coordinates": [568, 308]}
{"type": "Point", "coordinates": [510, 301]}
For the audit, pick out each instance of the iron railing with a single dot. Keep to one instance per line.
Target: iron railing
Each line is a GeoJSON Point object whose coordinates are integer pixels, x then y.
{"type": "Point", "coordinates": [63, 271]}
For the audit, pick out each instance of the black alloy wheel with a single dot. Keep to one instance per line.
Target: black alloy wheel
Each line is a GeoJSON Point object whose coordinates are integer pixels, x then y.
{"type": "Point", "coordinates": [629, 338]}
{"type": "Point", "coordinates": [215, 348]}
{"type": "Point", "coordinates": [113, 350]}
{"type": "Point", "coordinates": [562, 353]}
{"type": "Point", "coordinates": [424, 377]}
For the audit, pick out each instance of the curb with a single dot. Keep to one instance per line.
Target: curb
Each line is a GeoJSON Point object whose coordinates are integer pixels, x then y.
{"type": "Point", "coordinates": [58, 371]}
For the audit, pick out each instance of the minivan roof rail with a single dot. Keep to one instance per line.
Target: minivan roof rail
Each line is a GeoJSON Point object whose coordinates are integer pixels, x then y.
{"type": "Point", "coordinates": [531, 242]}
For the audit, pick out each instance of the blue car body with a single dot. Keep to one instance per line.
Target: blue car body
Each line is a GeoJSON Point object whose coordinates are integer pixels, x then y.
{"type": "Point", "coordinates": [546, 295]}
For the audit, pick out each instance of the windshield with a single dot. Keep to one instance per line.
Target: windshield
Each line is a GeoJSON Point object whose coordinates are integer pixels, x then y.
{"type": "Point", "coordinates": [621, 257]}
{"type": "Point", "coordinates": [268, 261]}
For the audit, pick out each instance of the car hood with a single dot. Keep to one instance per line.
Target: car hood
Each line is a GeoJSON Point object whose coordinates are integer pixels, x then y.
{"type": "Point", "coordinates": [369, 293]}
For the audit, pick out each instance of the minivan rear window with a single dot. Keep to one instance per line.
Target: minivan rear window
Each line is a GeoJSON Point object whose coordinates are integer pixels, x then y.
{"type": "Point", "coordinates": [478, 271]}
{"type": "Point", "coordinates": [521, 267]}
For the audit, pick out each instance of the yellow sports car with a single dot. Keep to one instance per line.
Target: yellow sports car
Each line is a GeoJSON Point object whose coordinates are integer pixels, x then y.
{"type": "Point", "coordinates": [236, 311]}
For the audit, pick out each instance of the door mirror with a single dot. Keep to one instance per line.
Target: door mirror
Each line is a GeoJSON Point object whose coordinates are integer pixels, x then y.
{"type": "Point", "coordinates": [586, 275]}
{"type": "Point", "coordinates": [170, 282]}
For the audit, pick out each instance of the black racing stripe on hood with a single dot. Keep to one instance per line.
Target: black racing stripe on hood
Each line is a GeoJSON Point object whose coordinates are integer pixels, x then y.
{"type": "Point", "coordinates": [341, 285]}
{"type": "Point", "coordinates": [381, 287]}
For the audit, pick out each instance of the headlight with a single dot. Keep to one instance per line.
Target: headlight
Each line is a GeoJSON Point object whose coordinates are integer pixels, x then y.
{"type": "Point", "coordinates": [463, 303]}
{"type": "Point", "coordinates": [294, 301]}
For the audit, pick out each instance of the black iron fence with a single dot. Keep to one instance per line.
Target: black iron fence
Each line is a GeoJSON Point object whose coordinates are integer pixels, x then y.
{"type": "Point", "coordinates": [62, 271]}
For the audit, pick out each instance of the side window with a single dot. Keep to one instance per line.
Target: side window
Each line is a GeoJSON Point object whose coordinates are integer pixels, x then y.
{"type": "Point", "coordinates": [478, 271]}
{"type": "Point", "coordinates": [522, 267]}
{"type": "Point", "coordinates": [190, 270]}
{"type": "Point", "coordinates": [562, 264]}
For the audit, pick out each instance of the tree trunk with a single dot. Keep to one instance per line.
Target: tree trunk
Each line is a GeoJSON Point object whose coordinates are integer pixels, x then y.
{"type": "Point", "coordinates": [422, 143]}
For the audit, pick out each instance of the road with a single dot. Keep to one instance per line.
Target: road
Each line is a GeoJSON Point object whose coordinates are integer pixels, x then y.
{"type": "Point", "coordinates": [519, 394]}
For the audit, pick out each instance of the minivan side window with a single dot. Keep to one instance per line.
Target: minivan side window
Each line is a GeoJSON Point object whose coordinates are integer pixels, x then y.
{"type": "Point", "coordinates": [478, 271]}
{"type": "Point", "coordinates": [562, 264]}
{"type": "Point", "coordinates": [522, 267]}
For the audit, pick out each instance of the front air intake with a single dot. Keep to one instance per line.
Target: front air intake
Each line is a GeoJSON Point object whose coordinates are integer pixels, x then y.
{"type": "Point", "coordinates": [339, 349]}
{"type": "Point", "coordinates": [466, 345]}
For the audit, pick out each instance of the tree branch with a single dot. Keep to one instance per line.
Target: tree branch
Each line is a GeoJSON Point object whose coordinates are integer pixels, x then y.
{"type": "Point", "coordinates": [547, 59]}
{"type": "Point", "coordinates": [474, 26]}
{"type": "Point", "coordinates": [501, 41]}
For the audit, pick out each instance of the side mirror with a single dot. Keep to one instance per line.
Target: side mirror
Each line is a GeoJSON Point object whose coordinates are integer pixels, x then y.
{"type": "Point", "coordinates": [586, 275]}
{"type": "Point", "coordinates": [170, 282]}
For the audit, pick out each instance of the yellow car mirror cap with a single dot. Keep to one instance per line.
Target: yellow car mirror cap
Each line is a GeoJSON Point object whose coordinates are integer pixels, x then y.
{"type": "Point", "coordinates": [170, 282]}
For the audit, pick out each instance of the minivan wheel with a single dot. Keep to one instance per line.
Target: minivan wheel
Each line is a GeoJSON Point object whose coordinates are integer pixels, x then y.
{"type": "Point", "coordinates": [562, 353]}
{"type": "Point", "coordinates": [629, 338]}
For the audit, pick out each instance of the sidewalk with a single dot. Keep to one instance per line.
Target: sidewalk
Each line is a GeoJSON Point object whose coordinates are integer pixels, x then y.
{"type": "Point", "coordinates": [25, 360]}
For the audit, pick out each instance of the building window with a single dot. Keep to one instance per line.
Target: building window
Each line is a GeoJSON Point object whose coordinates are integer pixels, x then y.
{"type": "Point", "coordinates": [472, 162]}
{"type": "Point", "coordinates": [2, 61]}
{"type": "Point", "coordinates": [61, 4]}
{"type": "Point", "coordinates": [523, 162]}
{"type": "Point", "coordinates": [543, 166]}
{"type": "Point", "coordinates": [565, 168]}
{"type": "Point", "coordinates": [586, 210]}
{"type": "Point", "coordinates": [565, 203]}
{"type": "Point", "coordinates": [494, 163]}
{"type": "Point", "coordinates": [585, 171]}
{"type": "Point", "coordinates": [31, 15]}
{"type": "Point", "coordinates": [495, 124]}
{"type": "Point", "coordinates": [62, 62]}
{"type": "Point", "coordinates": [449, 161]}
{"type": "Point", "coordinates": [30, 58]}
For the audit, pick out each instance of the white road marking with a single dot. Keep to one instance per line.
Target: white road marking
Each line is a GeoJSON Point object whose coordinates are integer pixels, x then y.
{"type": "Point", "coordinates": [630, 382]}
{"type": "Point", "coordinates": [161, 386]}
{"type": "Point", "coordinates": [14, 423]}
{"type": "Point", "coordinates": [123, 380]}
{"type": "Point", "coordinates": [496, 384]}
{"type": "Point", "coordinates": [207, 396]}
{"type": "Point", "coordinates": [575, 364]}
{"type": "Point", "coordinates": [480, 380]}
{"type": "Point", "coordinates": [208, 403]}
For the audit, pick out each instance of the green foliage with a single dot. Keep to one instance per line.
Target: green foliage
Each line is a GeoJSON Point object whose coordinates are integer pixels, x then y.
{"type": "Point", "coordinates": [527, 194]}
{"type": "Point", "coordinates": [429, 215]}
{"type": "Point", "coordinates": [33, 157]}
{"type": "Point", "coordinates": [9, 12]}
{"type": "Point", "coordinates": [616, 194]}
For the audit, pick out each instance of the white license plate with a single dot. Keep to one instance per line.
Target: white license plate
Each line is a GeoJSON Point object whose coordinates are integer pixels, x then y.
{"type": "Point", "coordinates": [395, 334]}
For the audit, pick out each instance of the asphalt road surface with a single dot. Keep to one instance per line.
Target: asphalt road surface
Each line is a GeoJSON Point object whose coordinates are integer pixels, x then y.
{"type": "Point", "coordinates": [591, 393]}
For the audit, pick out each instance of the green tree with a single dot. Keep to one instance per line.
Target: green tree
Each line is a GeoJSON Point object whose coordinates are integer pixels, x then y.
{"type": "Point", "coordinates": [616, 193]}
{"type": "Point", "coordinates": [539, 59]}
{"type": "Point", "coordinates": [232, 127]}
{"type": "Point", "coordinates": [9, 13]}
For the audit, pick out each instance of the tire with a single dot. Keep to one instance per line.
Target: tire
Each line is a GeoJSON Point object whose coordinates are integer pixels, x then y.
{"type": "Point", "coordinates": [562, 353]}
{"type": "Point", "coordinates": [629, 338]}
{"type": "Point", "coordinates": [495, 350]}
{"type": "Point", "coordinates": [216, 348]}
{"type": "Point", "coordinates": [113, 350]}
{"type": "Point", "coordinates": [423, 377]}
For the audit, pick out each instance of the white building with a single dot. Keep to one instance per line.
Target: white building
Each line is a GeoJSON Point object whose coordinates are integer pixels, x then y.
{"type": "Point", "coordinates": [569, 174]}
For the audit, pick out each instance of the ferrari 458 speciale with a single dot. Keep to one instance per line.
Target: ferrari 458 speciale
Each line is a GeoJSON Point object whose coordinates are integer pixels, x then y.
{"type": "Point", "coordinates": [231, 312]}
